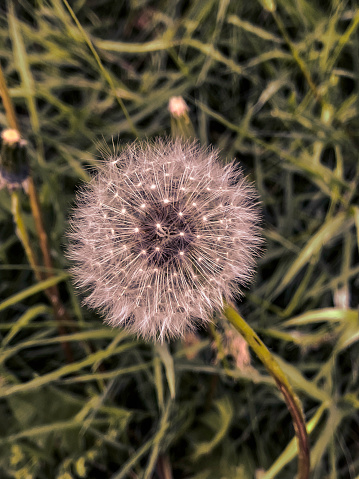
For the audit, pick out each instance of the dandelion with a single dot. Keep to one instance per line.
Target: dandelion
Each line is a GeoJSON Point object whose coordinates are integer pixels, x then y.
{"type": "Point", "coordinates": [162, 235]}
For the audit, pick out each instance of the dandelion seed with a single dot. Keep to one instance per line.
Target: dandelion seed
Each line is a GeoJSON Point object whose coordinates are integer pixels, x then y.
{"type": "Point", "coordinates": [188, 253]}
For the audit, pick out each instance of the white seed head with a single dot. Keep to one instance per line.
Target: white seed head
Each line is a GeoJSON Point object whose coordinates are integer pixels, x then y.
{"type": "Point", "coordinates": [159, 260]}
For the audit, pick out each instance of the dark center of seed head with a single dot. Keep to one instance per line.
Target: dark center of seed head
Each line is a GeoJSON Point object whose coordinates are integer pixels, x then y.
{"type": "Point", "coordinates": [165, 234]}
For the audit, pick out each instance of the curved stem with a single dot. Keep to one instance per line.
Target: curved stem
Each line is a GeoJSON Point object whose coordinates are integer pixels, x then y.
{"type": "Point", "coordinates": [282, 382]}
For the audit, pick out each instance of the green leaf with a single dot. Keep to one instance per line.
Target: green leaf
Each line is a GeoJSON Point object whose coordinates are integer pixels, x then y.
{"type": "Point", "coordinates": [220, 422]}
{"type": "Point", "coordinates": [300, 382]}
{"type": "Point", "coordinates": [47, 283]}
{"type": "Point", "coordinates": [24, 319]}
{"type": "Point", "coordinates": [167, 359]}
{"type": "Point", "coordinates": [322, 315]}
{"type": "Point", "coordinates": [330, 229]}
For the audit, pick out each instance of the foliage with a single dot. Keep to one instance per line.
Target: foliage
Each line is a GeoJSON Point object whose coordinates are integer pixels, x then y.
{"type": "Point", "coordinates": [278, 90]}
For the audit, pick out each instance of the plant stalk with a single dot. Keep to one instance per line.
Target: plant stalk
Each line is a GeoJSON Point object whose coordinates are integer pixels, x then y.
{"type": "Point", "coordinates": [291, 399]}
{"type": "Point", "coordinates": [52, 292]}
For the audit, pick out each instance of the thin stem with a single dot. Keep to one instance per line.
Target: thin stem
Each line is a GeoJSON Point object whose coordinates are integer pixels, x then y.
{"type": "Point", "coordinates": [52, 292]}
{"type": "Point", "coordinates": [39, 224]}
{"type": "Point", "coordinates": [8, 106]}
{"type": "Point", "coordinates": [283, 384]}
{"type": "Point", "coordinates": [22, 234]}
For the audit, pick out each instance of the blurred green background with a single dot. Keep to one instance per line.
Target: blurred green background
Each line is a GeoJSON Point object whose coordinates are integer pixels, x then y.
{"type": "Point", "coordinates": [274, 85]}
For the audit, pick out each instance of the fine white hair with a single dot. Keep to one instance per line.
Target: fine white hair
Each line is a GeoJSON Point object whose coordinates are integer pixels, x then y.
{"type": "Point", "coordinates": [162, 235]}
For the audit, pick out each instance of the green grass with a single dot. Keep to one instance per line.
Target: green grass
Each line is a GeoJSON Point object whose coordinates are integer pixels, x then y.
{"type": "Point", "coordinates": [278, 91]}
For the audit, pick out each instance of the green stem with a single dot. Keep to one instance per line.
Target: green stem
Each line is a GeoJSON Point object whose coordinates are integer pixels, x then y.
{"type": "Point", "coordinates": [22, 234]}
{"type": "Point", "coordinates": [282, 382]}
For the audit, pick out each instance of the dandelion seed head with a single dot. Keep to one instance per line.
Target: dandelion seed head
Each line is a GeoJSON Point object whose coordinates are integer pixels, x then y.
{"type": "Point", "coordinates": [161, 235]}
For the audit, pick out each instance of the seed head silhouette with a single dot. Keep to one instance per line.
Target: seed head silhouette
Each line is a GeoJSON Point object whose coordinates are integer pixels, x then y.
{"type": "Point", "coordinates": [162, 235]}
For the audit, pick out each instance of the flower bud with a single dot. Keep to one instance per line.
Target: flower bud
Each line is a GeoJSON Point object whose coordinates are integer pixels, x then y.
{"type": "Point", "coordinates": [14, 168]}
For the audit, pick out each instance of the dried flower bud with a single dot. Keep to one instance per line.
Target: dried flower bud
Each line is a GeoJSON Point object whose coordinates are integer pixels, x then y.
{"type": "Point", "coordinates": [191, 339]}
{"type": "Point", "coordinates": [177, 106]}
{"type": "Point", "coordinates": [14, 168]}
{"type": "Point", "coordinates": [236, 346]}
{"type": "Point", "coordinates": [10, 136]}
{"type": "Point", "coordinates": [181, 125]}
{"type": "Point", "coordinates": [161, 235]}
